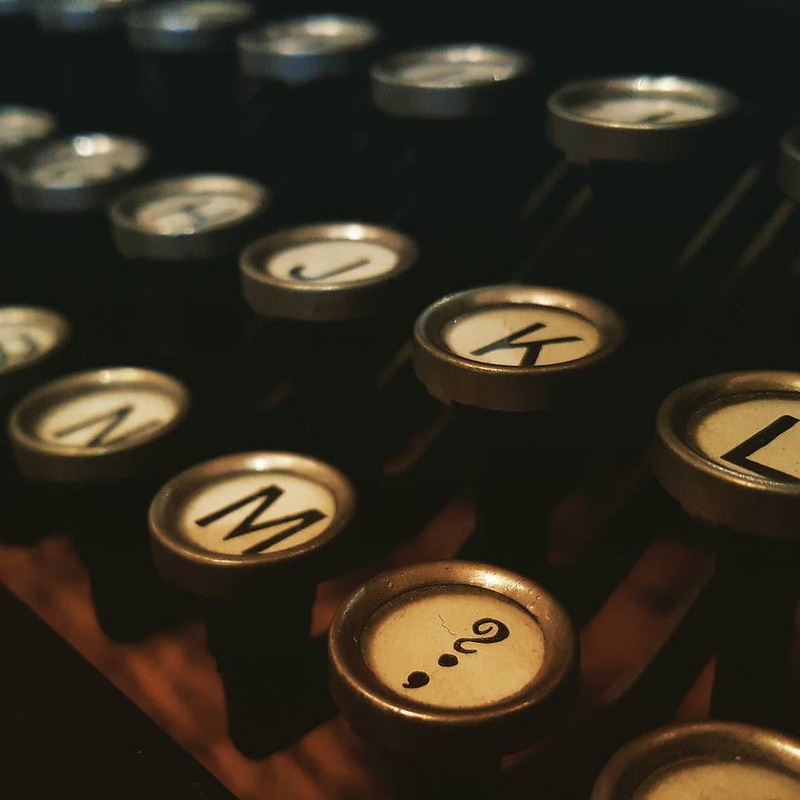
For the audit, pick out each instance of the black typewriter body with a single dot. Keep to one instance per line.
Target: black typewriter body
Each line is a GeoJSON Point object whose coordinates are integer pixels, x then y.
{"type": "Point", "coordinates": [698, 256]}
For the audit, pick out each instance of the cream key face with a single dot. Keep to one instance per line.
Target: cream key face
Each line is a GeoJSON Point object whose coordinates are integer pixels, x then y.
{"type": "Point", "coordinates": [316, 34]}
{"type": "Point", "coordinates": [453, 647]}
{"type": "Point", "coordinates": [521, 336]}
{"type": "Point", "coordinates": [27, 337]}
{"type": "Point", "coordinates": [753, 435]}
{"type": "Point", "coordinates": [459, 67]}
{"type": "Point", "coordinates": [257, 512]}
{"type": "Point", "coordinates": [107, 417]}
{"type": "Point", "coordinates": [332, 262]}
{"type": "Point", "coordinates": [193, 15]}
{"type": "Point", "coordinates": [723, 780]}
{"type": "Point", "coordinates": [644, 108]}
{"type": "Point", "coordinates": [190, 212]}
{"type": "Point", "coordinates": [20, 126]}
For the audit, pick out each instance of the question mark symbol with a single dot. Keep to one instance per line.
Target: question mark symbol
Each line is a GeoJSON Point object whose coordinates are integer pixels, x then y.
{"type": "Point", "coordinates": [481, 627]}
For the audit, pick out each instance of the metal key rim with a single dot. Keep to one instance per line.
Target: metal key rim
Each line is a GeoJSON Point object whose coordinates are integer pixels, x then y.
{"type": "Point", "coordinates": [73, 16]}
{"type": "Point", "coordinates": [51, 319]}
{"type": "Point", "coordinates": [667, 747]}
{"type": "Point", "coordinates": [395, 722]}
{"type": "Point", "coordinates": [231, 576]}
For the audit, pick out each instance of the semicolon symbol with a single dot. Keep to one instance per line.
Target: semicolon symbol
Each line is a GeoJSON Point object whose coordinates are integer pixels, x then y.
{"type": "Point", "coordinates": [487, 630]}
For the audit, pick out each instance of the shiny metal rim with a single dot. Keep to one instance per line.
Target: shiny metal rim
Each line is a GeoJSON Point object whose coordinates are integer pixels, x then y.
{"type": "Point", "coordinates": [708, 490]}
{"type": "Point", "coordinates": [667, 747]}
{"type": "Point", "coordinates": [221, 239]}
{"type": "Point", "coordinates": [83, 15]}
{"type": "Point", "coordinates": [398, 723]}
{"type": "Point", "coordinates": [224, 574]}
{"type": "Point", "coordinates": [270, 295]}
{"type": "Point", "coordinates": [504, 387]}
{"type": "Point", "coordinates": [13, 315]}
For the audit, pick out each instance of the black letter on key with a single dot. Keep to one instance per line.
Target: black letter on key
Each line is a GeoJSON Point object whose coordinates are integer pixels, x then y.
{"type": "Point", "coordinates": [532, 349]}
{"type": "Point", "coordinates": [269, 495]}
{"type": "Point", "coordinates": [739, 454]}
{"type": "Point", "coordinates": [115, 417]}
{"type": "Point", "coordinates": [297, 272]}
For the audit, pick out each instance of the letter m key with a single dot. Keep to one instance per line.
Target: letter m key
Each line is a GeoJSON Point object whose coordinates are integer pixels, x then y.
{"type": "Point", "coordinates": [294, 523]}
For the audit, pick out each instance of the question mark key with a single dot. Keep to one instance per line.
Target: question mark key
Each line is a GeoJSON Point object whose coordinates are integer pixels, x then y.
{"type": "Point", "coordinates": [432, 655]}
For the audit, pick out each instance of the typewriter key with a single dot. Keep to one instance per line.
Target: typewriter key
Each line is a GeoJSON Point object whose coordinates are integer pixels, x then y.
{"type": "Point", "coordinates": [252, 534]}
{"type": "Point", "coordinates": [90, 65]}
{"type": "Point", "coordinates": [303, 75]}
{"type": "Point", "coordinates": [638, 118]}
{"type": "Point", "coordinates": [188, 77]}
{"type": "Point", "coordinates": [91, 448]}
{"type": "Point", "coordinates": [75, 175]}
{"type": "Point", "coordinates": [451, 665]}
{"type": "Point", "coordinates": [710, 760]}
{"type": "Point", "coordinates": [22, 127]}
{"type": "Point", "coordinates": [726, 449]}
{"type": "Point", "coordinates": [337, 297]}
{"type": "Point", "coordinates": [32, 341]}
{"type": "Point", "coordinates": [529, 372]}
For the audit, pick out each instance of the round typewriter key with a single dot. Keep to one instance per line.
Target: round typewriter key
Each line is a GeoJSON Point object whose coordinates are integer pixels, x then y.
{"type": "Point", "coordinates": [299, 76]}
{"type": "Point", "coordinates": [452, 664]}
{"type": "Point", "coordinates": [727, 448]}
{"type": "Point", "coordinates": [30, 341]}
{"type": "Point", "coordinates": [253, 533]}
{"type": "Point", "coordinates": [528, 371]}
{"type": "Point", "coordinates": [311, 48]}
{"type": "Point", "coordinates": [191, 218]}
{"type": "Point", "coordinates": [638, 118]}
{"type": "Point", "coordinates": [451, 81]}
{"type": "Point", "coordinates": [91, 449]}
{"type": "Point", "coordinates": [90, 64]}
{"type": "Point", "coordinates": [187, 75]}
{"type": "Point", "coordinates": [82, 173]}
{"type": "Point", "coordinates": [711, 760]}
{"type": "Point", "coordinates": [102, 425]}
{"type": "Point", "coordinates": [324, 273]}
{"type": "Point", "coordinates": [21, 127]}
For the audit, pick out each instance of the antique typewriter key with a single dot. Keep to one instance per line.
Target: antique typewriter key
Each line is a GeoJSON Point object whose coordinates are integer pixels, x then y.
{"type": "Point", "coordinates": [451, 665]}
{"type": "Point", "coordinates": [530, 374]}
{"type": "Point", "coordinates": [710, 760]}
{"type": "Point", "coordinates": [657, 147]}
{"type": "Point", "coordinates": [726, 449]}
{"type": "Point", "coordinates": [90, 66]}
{"type": "Point", "coordinates": [251, 534]}
{"type": "Point", "coordinates": [91, 449]}
{"type": "Point", "coordinates": [187, 55]}
{"type": "Point", "coordinates": [336, 297]}
{"type": "Point", "coordinates": [71, 258]}
{"type": "Point", "coordinates": [462, 114]}
{"type": "Point", "coordinates": [22, 127]}
{"type": "Point", "coordinates": [305, 75]}
{"type": "Point", "coordinates": [181, 236]}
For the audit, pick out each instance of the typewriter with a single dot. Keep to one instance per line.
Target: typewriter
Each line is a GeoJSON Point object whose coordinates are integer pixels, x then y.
{"type": "Point", "coordinates": [400, 401]}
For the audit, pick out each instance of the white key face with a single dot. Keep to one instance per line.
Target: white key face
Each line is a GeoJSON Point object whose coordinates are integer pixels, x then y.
{"type": "Point", "coordinates": [642, 108]}
{"type": "Point", "coordinates": [192, 212]}
{"type": "Point", "coordinates": [254, 513]}
{"type": "Point", "coordinates": [85, 165]}
{"type": "Point", "coordinates": [197, 15]}
{"type": "Point", "coordinates": [332, 262]}
{"type": "Point", "coordinates": [521, 336]}
{"type": "Point", "coordinates": [756, 436]}
{"type": "Point", "coordinates": [109, 417]}
{"type": "Point", "coordinates": [453, 647]}
{"type": "Point", "coordinates": [461, 71]}
{"type": "Point", "coordinates": [23, 342]}
{"type": "Point", "coordinates": [720, 781]}
{"type": "Point", "coordinates": [21, 126]}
